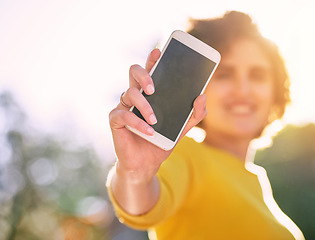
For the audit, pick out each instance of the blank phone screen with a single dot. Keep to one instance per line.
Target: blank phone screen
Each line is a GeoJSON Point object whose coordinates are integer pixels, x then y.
{"type": "Point", "coordinates": [178, 80]}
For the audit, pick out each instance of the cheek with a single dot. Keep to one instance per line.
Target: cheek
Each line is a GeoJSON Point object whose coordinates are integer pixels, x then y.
{"type": "Point", "coordinates": [216, 93]}
{"type": "Point", "coordinates": [266, 97]}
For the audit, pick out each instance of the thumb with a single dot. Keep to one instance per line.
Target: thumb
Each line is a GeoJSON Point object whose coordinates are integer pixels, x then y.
{"type": "Point", "coordinates": [199, 113]}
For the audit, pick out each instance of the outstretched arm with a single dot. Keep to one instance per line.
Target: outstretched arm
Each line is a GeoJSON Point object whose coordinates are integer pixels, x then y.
{"type": "Point", "coordinates": [134, 184]}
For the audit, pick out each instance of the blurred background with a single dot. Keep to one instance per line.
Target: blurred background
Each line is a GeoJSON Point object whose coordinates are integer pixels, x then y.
{"type": "Point", "coordinates": [63, 66]}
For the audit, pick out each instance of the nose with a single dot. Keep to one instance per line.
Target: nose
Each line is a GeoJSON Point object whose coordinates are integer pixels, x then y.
{"type": "Point", "coordinates": [242, 86]}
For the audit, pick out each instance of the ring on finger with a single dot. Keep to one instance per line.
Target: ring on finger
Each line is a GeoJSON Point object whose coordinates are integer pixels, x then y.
{"type": "Point", "coordinates": [123, 102]}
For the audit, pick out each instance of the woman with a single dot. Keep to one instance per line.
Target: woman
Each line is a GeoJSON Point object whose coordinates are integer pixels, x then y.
{"type": "Point", "coordinates": [203, 190]}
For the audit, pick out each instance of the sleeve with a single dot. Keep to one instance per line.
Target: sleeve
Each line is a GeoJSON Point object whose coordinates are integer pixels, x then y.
{"type": "Point", "coordinates": [173, 177]}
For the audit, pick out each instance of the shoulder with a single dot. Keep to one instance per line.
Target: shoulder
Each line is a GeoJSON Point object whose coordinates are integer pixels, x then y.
{"type": "Point", "coordinates": [187, 146]}
{"type": "Point", "coordinates": [187, 154]}
{"type": "Point", "coordinates": [179, 163]}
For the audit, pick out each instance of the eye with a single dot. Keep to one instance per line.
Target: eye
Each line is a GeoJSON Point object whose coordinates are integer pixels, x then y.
{"type": "Point", "coordinates": [223, 75]}
{"type": "Point", "coordinates": [259, 75]}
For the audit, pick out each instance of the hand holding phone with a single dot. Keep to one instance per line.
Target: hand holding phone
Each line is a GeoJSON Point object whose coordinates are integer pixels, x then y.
{"type": "Point", "coordinates": [180, 76]}
{"type": "Point", "coordinates": [139, 159]}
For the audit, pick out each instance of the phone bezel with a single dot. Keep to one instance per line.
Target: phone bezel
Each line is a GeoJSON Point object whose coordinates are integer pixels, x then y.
{"type": "Point", "coordinates": [203, 49]}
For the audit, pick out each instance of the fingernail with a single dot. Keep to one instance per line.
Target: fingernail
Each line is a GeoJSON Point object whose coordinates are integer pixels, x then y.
{"type": "Point", "coordinates": [150, 131]}
{"type": "Point", "coordinates": [150, 89]}
{"type": "Point", "coordinates": [152, 119]}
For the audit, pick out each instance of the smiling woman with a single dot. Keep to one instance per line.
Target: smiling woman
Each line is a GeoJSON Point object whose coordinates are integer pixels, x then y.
{"type": "Point", "coordinates": [66, 63]}
{"type": "Point", "coordinates": [203, 191]}
{"type": "Point", "coordinates": [240, 96]}
{"type": "Point", "coordinates": [252, 81]}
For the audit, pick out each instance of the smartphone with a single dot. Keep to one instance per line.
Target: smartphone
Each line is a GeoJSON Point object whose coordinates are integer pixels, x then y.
{"type": "Point", "coordinates": [180, 75]}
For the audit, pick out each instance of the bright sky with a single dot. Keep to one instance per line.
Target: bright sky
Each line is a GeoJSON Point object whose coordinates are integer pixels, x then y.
{"type": "Point", "coordinates": [67, 61]}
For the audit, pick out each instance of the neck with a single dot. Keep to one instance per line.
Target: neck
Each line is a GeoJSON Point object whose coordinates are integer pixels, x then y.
{"type": "Point", "coordinates": [237, 147]}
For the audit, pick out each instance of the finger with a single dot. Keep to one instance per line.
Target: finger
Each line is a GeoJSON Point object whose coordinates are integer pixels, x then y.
{"type": "Point", "coordinates": [152, 59]}
{"type": "Point", "coordinates": [118, 119]}
{"type": "Point", "coordinates": [134, 97]}
{"type": "Point", "coordinates": [140, 78]}
{"type": "Point", "coordinates": [122, 102]}
{"type": "Point", "coordinates": [199, 113]}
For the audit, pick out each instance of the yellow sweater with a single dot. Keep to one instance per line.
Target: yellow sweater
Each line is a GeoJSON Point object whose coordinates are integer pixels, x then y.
{"type": "Point", "coordinates": [207, 194]}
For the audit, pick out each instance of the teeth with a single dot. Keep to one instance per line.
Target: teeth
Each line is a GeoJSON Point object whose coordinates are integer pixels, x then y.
{"type": "Point", "coordinates": [241, 109]}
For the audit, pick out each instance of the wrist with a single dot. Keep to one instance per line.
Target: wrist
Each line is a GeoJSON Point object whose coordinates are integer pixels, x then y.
{"type": "Point", "coordinates": [135, 198]}
{"type": "Point", "coordinates": [134, 176]}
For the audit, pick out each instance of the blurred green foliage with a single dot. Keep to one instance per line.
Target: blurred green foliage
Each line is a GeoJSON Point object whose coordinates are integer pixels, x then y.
{"type": "Point", "coordinates": [46, 183]}
{"type": "Point", "coordinates": [52, 187]}
{"type": "Point", "coordinates": [290, 165]}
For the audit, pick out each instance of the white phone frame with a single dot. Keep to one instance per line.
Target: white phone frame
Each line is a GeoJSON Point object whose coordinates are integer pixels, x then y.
{"type": "Point", "coordinates": [203, 49]}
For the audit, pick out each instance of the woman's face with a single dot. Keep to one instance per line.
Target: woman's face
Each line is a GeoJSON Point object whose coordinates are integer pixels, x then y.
{"type": "Point", "coordinates": [240, 94]}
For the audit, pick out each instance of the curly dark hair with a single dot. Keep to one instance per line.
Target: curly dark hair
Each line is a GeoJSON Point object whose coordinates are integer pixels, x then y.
{"type": "Point", "coordinates": [221, 32]}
